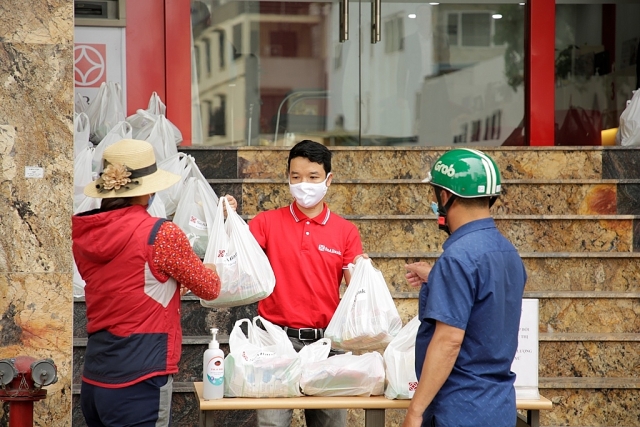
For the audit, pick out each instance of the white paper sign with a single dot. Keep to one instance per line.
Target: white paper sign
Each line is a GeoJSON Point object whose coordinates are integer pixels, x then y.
{"type": "Point", "coordinates": [33, 172]}
{"type": "Point", "coordinates": [525, 363]}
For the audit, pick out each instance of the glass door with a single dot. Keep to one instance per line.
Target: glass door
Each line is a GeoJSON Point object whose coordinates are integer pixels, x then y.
{"type": "Point", "coordinates": [443, 74]}
{"type": "Point", "coordinates": [273, 72]}
{"type": "Point", "coordinates": [386, 72]}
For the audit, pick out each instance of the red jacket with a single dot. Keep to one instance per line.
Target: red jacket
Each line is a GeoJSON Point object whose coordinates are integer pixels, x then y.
{"type": "Point", "coordinates": [133, 311]}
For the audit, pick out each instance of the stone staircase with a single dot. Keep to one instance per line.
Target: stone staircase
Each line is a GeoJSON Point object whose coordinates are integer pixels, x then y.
{"type": "Point", "coordinates": [572, 213]}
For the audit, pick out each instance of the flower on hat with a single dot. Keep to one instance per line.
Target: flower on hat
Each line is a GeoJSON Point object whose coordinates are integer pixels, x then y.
{"type": "Point", "coordinates": [115, 176]}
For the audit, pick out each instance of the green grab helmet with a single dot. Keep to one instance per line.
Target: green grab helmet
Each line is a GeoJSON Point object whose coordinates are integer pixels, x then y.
{"type": "Point", "coordinates": [466, 173]}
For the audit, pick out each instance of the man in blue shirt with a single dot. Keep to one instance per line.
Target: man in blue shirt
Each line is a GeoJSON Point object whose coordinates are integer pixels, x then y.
{"type": "Point", "coordinates": [469, 306]}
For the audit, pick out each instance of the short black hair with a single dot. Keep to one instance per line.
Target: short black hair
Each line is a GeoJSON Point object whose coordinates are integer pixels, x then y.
{"type": "Point", "coordinates": [312, 151]}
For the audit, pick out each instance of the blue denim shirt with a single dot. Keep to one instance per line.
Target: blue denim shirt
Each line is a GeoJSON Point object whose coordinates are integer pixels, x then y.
{"type": "Point", "coordinates": [475, 285]}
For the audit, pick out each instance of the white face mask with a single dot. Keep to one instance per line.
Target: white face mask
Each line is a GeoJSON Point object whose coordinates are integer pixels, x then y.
{"type": "Point", "coordinates": [309, 194]}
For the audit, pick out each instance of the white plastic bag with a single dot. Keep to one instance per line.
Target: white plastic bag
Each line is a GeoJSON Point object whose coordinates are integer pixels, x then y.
{"type": "Point", "coordinates": [630, 121]}
{"type": "Point", "coordinates": [120, 131]}
{"type": "Point", "coordinates": [143, 119]}
{"type": "Point", "coordinates": [81, 130]}
{"type": "Point", "coordinates": [81, 103]}
{"type": "Point", "coordinates": [399, 363]}
{"type": "Point", "coordinates": [105, 111]}
{"type": "Point", "coordinates": [344, 375]}
{"type": "Point", "coordinates": [195, 213]}
{"type": "Point", "coordinates": [161, 137]}
{"type": "Point", "coordinates": [179, 165]}
{"type": "Point", "coordinates": [157, 208]}
{"type": "Point", "coordinates": [315, 352]}
{"type": "Point", "coordinates": [82, 176]}
{"type": "Point", "coordinates": [78, 282]}
{"type": "Point", "coordinates": [367, 317]}
{"type": "Point", "coordinates": [244, 269]}
{"type": "Point", "coordinates": [254, 368]}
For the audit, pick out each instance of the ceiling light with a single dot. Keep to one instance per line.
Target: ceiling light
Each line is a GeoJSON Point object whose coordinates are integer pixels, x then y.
{"type": "Point", "coordinates": [496, 16]}
{"type": "Point", "coordinates": [412, 16]}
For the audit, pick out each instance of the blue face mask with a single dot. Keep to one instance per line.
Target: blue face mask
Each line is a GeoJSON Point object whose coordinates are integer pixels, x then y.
{"type": "Point", "coordinates": [434, 208]}
{"type": "Point", "coordinates": [153, 196]}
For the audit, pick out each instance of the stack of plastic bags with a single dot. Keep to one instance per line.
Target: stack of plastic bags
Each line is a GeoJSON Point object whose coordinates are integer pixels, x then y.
{"type": "Point", "coordinates": [263, 363]}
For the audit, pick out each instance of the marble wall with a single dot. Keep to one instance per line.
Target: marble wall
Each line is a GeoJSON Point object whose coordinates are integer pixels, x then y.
{"type": "Point", "coordinates": [36, 185]}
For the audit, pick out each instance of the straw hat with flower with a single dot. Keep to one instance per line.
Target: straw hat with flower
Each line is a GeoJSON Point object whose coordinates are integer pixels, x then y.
{"type": "Point", "coordinates": [129, 170]}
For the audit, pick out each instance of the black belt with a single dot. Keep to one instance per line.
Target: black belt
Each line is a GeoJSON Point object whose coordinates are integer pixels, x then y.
{"type": "Point", "coordinates": [303, 334]}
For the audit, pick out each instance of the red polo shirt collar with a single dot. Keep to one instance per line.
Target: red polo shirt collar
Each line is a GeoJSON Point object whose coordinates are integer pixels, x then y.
{"type": "Point", "coordinates": [320, 219]}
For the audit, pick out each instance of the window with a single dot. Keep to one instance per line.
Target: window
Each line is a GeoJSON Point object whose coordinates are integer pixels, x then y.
{"type": "Point", "coordinates": [471, 29]}
{"type": "Point", "coordinates": [207, 56]}
{"type": "Point", "coordinates": [237, 41]}
{"type": "Point", "coordinates": [217, 116]}
{"type": "Point", "coordinates": [394, 34]}
{"type": "Point", "coordinates": [196, 52]}
{"type": "Point", "coordinates": [221, 51]}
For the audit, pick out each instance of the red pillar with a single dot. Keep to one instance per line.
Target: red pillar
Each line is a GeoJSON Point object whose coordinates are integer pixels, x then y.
{"type": "Point", "coordinates": [178, 65]}
{"type": "Point", "coordinates": [145, 52]}
{"type": "Point", "coordinates": [540, 72]}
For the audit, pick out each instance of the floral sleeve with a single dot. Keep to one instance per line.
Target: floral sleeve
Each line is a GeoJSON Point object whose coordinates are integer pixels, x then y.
{"type": "Point", "coordinates": [173, 256]}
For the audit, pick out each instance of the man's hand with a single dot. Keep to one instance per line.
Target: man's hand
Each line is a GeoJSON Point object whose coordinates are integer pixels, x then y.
{"type": "Point", "coordinates": [412, 420]}
{"type": "Point", "coordinates": [418, 273]}
{"type": "Point", "coordinates": [364, 256]}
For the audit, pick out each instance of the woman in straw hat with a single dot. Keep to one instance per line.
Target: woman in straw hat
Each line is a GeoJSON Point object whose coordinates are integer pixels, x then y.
{"type": "Point", "coordinates": [133, 265]}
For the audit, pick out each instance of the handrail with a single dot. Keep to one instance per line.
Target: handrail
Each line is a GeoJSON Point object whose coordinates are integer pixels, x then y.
{"type": "Point", "coordinates": [303, 95]}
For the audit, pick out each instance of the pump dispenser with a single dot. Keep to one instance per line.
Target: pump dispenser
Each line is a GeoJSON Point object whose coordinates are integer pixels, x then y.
{"type": "Point", "coordinates": [213, 370]}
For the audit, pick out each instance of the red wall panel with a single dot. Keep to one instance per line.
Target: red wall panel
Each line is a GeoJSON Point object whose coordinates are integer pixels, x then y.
{"type": "Point", "coordinates": [145, 52]}
{"type": "Point", "coordinates": [178, 65]}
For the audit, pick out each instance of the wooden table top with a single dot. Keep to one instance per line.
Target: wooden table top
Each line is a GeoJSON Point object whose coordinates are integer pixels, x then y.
{"type": "Point", "coordinates": [322, 402]}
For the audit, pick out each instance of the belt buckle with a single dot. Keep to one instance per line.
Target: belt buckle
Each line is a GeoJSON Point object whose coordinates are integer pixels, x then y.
{"type": "Point", "coordinates": [310, 333]}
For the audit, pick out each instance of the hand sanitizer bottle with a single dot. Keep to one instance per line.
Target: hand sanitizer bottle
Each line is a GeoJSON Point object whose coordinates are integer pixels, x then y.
{"type": "Point", "coordinates": [213, 370]}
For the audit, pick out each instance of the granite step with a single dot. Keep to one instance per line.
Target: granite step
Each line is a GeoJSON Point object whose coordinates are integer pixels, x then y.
{"type": "Point", "coordinates": [195, 319]}
{"type": "Point", "coordinates": [560, 271]}
{"type": "Point", "coordinates": [412, 197]}
{"type": "Point", "coordinates": [570, 315]}
{"type": "Point", "coordinates": [529, 233]}
{"type": "Point", "coordinates": [415, 162]}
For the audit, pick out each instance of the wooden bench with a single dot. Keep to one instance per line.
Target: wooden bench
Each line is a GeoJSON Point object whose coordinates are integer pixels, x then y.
{"type": "Point", "coordinates": [374, 406]}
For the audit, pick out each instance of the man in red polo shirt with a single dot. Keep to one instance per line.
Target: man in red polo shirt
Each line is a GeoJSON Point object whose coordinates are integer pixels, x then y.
{"type": "Point", "coordinates": [309, 248]}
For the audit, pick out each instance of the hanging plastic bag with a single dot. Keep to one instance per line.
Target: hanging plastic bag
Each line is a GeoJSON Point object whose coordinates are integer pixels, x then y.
{"type": "Point", "coordinates": [81, 103]}
{"type": "Point", "coordinates": [255, 369]}
{"type": "Point", "coordinates": [161, 137]}
{"type": "Point", "coordinates": [367, 317]}
{"type": "Point", "coordinates": [630, 122]}
{"type": "Point", "coordinates": [344, 375]}
{"type": "Point", "coordinates": [194, 215]}
{"type": "Point", "coordinates": [157, 208]}
{"type": "Point", "coordinates": [82, 176]}
{"type": "Point", "coordinates": [399, 361]}
{"type": "Point", "coordinates": [105, 111]}
{"type": "Point", "coordinates": [78, 282]}
{"type": "Point", "coordinates": [142, 119]}
{"type": "Point", "coordinates": [243, 267]}
{"type": "Point", "coordinates": [119, 132]}
{"type": "Point", "coordinates": [177, 164]}
{"type": "Point", "coordinates": [81, 130]}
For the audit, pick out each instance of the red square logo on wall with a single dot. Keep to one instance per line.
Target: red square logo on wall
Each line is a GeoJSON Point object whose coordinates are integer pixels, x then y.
{"type": "Point", "coordinates": [90, 65]}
